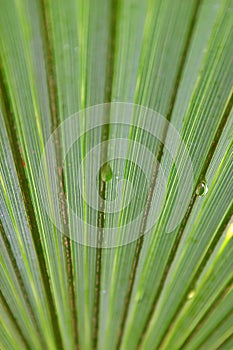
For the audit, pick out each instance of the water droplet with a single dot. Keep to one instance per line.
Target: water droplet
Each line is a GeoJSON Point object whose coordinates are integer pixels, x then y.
{"type": "Point", "coordinates": [139, 297]}
{"type": "Point", "coordinates": [191, 294]}
{"type": "Point", "coordinates": [229, 233]}
{"type": "Point", "coordinates": [202, 189]}
{"type": "Point", "coordinates": [119, 176]}
{"type": "Point", "coordinates": [106, 172]}
{"type": "Point", "coordinates": [104, 291]}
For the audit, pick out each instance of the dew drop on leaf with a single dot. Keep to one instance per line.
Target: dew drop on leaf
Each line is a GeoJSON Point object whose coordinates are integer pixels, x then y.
{"type": "Point", "coordinates": [229, 233]}
{"type": "Point", "coordinates": [191, 294]}
{"type": "Point", "coordinates": [139, 297]}
{"type": "Point", "coordinates": [106, 172]}
{"type": "Point", "coordinates": [202, 189]}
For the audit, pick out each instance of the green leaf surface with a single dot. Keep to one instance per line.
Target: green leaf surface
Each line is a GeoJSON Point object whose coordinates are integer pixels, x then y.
{"type": "Point", "coordinates": [68, 69]}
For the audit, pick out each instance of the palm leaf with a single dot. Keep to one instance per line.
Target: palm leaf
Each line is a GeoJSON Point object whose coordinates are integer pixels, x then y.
{"type": "Point", "coordinates": [147, 85]}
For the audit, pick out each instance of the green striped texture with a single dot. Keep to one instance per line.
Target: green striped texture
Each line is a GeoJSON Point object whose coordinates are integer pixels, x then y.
{"type": "Point", "coordinates": [162, 291]}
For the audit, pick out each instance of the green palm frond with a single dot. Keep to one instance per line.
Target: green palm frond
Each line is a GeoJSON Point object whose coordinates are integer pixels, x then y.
{"type": "Point", "coordinates": [156, 77]}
